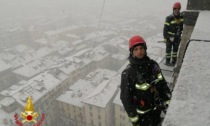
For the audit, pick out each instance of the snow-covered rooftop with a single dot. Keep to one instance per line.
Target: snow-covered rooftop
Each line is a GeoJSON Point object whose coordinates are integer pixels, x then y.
{"type": "Point", "coordinates": [96, 89]}
{"type": "Point", "coordinates": [31, 69]}
{"type": "Point", "coordinates": [36, 87]}
{"type": "Point", "coordinates": [42, 41]}
{"type": "Point", "coordinates": [7, 101]}
{"type": "Point", "coordinates": [4, 66]}
{"type": "Point", "coordinates": [61, 30]}
{"type": "Point", "coordinates": [72, 36]}
{"type": "Point", "coordinates": [21, 48]}
{"type": "Point", "coordinates": [77, 92]}
{"type": "Point", "coordinates": [202, 29]}
{"type": "Point", "coordinates": [14, 88]}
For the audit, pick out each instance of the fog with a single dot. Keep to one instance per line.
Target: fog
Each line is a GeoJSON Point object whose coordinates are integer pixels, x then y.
{"type": "Point", "coordinates": [68, 54]}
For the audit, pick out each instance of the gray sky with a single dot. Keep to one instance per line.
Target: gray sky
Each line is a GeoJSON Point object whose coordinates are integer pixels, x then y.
{"type": "Point", "coordinates": [20, 10]}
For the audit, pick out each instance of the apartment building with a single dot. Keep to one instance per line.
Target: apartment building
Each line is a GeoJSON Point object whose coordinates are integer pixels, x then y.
{"type": "Point", "coordinates": [41, 88]}
{"type": "Point", "coordinates": [120, 117]}
{"type": "Point", "coordinates": [88, 102]}
{"type": "Point", "coordinates": [5, 75]}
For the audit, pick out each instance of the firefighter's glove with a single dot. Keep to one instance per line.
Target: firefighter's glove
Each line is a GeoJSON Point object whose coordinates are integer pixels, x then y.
{"type": "Point", "coordinates": [166, 103]}
{"type": "Point", "coordinates": [162, 104]}
{"type": "Point", "coordinates": [135, 120]}
{"type": "Point", "coordinates": [171, 39]}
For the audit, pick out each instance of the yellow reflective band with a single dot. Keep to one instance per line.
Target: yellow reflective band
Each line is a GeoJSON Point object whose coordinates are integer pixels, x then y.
{"type": "Point", "coordinates": [134, 119]}
{"type": "Point", "coordinates": [160, 77]}
{"type": "Point", "coordinates": [174, 54]}
{"type": "Point", "coordinates": [171, 33]}
{"type": "Point", "coordinates": [173, 22]}
{"type": "Point", "coordinates": [166, 23]}
{"type": "Point", "coordinates": [167, 102]}
{"type": "Point", "coordinates": [142, 112]}
{"type": "Point", "coordinates": [143, 86]}
{"type": "Point", "coordinates": [181, 20]}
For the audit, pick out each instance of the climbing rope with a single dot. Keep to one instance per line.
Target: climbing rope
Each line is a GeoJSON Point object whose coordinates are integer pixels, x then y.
{"type": "Point", "coordinates": [99, 22]}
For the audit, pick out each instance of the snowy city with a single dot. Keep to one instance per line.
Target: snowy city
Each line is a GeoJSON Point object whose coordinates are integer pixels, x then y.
{"type": "Point", "coordinates": [68, 56]}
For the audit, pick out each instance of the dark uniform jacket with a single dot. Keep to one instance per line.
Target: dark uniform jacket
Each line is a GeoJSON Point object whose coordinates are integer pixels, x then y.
{"type": "Point", "coordinates": [136, 85]}
{"type": "Point", "coordinates": [173, 26]}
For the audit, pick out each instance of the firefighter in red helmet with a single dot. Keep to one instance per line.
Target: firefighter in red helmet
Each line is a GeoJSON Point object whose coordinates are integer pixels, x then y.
{"type": "Point", "coordinates": [143, 86]}
{"type": "Point", "coordinates": [172, 32]}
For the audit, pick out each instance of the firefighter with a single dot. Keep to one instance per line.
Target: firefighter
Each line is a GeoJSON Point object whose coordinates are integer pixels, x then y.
{"type": "Point", "coordinates": [142, 83]}
{"type": "Point", "coordinates": [172, 31]}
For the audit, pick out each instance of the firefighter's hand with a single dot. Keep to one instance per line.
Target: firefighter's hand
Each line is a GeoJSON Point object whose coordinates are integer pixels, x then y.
{"type": "Point", "coordinates": [171, 39]}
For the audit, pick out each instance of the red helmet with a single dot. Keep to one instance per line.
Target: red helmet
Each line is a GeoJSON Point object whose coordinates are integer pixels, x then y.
{"type": "Point", "coordinates": [136, 40]}
{"type": "Point", "coordinates": [177, 5]}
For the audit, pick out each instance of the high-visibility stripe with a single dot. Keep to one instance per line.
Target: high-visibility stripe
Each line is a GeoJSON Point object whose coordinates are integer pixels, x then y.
{"type": "Point", "coordinates": [177, 21]}
{"type": "Point", "coordinates": [171, 33]}
{"type": "Point", "coordinates": [143, 86]}
{"type": "Point", "coordinates": [173, 22]}
{"type": "Point", "coordinates": [167, 102]}
{"type": "Point", "coordinates": [134, 119]}
{"type": "Point", "coordinates": [174, 54]}
{"type": "Point", "coordinates": [142, 112]}
{"type": "Point", "coordinates": [159, 78]}
{"type": "Point", "coordinates": [166, 23]}
{"type": "Point", "coordinates": [168, 55]}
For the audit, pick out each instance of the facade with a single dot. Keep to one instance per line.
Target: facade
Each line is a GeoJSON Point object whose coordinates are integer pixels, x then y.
{"type": "Point", "coordinates": [88, 102]}
{"type": "Point", "coordinates": [121, 117]}
{"type": "Point", "coordinates": [6, 75]}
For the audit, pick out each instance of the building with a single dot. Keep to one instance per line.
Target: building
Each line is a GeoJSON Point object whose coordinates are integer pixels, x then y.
{"type": "Point", "coordinates": [88, 102]}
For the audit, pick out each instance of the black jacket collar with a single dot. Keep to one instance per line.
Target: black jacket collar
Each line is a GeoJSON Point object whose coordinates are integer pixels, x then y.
{"type": "Point", "coordinates": [139, 61]}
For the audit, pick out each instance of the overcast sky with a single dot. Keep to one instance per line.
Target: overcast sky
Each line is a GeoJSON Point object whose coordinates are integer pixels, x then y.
{"type": "Point", "coordinates": [17, 10]}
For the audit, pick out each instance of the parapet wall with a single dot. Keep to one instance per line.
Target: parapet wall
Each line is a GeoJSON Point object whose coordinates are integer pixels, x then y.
{"type": "Point", "coordinates": [198, 5]}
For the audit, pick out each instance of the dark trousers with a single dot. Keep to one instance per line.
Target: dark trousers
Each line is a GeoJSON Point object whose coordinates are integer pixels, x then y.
{"type": "Point", "coordinates": [172, 47]}
{"type": "Point", "coordinates": [151, 118]}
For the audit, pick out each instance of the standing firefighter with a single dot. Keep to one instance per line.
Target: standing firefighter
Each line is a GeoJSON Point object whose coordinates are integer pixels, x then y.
{"type": "Point", "coordinates": [143, 87]}
{"type": "Point", "coordinates": [172, 31]}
